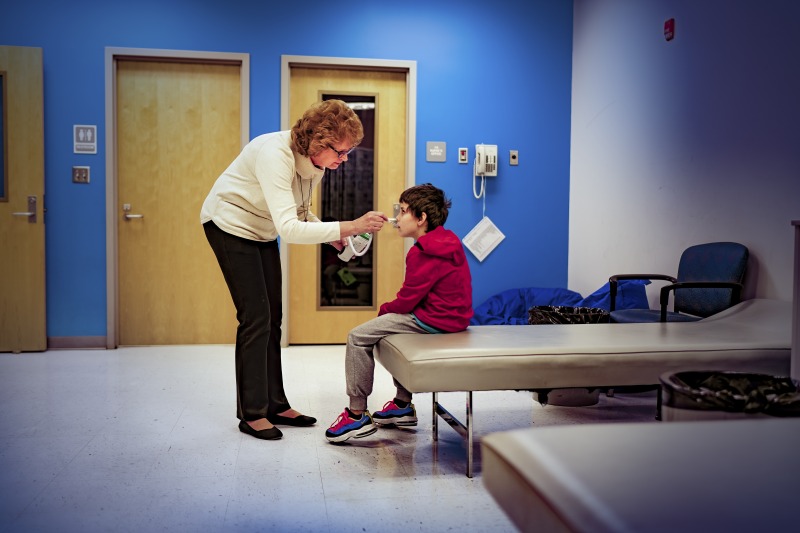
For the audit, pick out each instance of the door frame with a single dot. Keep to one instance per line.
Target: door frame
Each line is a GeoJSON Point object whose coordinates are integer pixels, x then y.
{"type": "Point", "coordinates": [409, 68]}
{"type": "Point", "coordinates": [112, 56]}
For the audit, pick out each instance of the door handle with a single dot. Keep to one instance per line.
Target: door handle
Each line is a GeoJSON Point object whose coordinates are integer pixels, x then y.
{"type": "Point", "coordinates": [126, 209]}
{"type": "Point", "coordinates": [30, 213]}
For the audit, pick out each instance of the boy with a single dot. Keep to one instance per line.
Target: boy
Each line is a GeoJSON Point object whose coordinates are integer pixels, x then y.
{"type": "Point", "coordinates": [436, 297]}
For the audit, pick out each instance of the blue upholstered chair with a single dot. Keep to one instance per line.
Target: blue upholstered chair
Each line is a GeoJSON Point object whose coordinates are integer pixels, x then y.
{"type": "Point", "coordinates": [709, 280]}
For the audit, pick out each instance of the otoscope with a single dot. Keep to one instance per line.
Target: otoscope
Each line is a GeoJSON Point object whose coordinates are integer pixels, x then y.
{"type": "Point", "coordinates": [357, 245]}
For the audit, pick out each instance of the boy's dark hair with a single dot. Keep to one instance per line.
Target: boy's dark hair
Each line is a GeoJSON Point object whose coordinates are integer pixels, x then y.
{"type": "Point", "coordinates": [430, 200]}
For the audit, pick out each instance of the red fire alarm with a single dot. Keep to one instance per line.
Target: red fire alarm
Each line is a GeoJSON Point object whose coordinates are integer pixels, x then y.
{"type": "Point", "coordinates": [669, 29]}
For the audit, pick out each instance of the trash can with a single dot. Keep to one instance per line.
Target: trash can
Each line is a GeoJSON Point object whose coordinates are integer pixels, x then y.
{"type": "Point", "coordinates": [571, 397]}
{"type": "Point", "coordinates": [711, 395]}
{"type": "Point", "coordinates": [564, 314]}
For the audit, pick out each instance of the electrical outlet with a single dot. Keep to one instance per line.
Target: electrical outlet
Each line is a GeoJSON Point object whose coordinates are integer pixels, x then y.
{"type": "Point", "coordinates": [80, 174]}
{"type": "Point", "coordinates": [513, 157]}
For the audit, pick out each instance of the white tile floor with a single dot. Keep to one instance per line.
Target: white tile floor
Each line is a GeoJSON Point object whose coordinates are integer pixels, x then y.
{"type": "Point", "coordinates": [146, 439]}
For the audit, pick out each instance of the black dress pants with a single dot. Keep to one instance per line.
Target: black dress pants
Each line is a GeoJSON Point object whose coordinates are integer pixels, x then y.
{"type": "Point", "coordinates": [252, 271]}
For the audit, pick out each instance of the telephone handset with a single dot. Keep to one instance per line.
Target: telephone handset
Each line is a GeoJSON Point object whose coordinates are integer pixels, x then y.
{"type": "Point", "coordinates": [485, 165]}
{"type": "Point", "coordinates": [486, 159]}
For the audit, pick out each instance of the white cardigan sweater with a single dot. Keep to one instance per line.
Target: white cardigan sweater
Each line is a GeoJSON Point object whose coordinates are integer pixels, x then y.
{"type": "Point", "coordinates": [264, 193]}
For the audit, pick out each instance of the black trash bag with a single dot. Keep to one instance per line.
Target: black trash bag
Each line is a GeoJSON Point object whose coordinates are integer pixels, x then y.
{"type": "Point", "coordinates": [562, 314]}
{"type": "Point", "coordinates": [736, 392]}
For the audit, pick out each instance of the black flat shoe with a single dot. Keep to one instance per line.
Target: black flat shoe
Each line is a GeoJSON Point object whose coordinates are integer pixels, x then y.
{"type": "Point", "coordinates": [300, 421]}
{"type": "Point", "coordinates": [266, 434]}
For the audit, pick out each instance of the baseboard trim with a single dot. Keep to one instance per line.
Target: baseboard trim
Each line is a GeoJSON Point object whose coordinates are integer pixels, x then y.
{"type": "Point", "coordinates": [75, 343]}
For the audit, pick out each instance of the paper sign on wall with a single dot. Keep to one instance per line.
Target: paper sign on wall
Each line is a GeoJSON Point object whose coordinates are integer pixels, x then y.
{"type": "Point", "coordinates": [436, 151]}
{"type": "Point", "coordinates": [483, 238]}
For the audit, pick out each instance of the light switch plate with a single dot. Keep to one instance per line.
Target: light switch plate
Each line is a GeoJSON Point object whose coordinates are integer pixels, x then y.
{"type": "Point", "coordinates": [80, 174]}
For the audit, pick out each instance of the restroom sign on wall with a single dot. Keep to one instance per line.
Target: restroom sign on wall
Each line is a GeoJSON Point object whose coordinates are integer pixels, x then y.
{"type": "Point", "coordinates": [84, 139]}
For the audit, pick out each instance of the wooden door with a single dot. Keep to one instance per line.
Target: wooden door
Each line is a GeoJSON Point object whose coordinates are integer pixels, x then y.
{"type": "Point", "coordinates": [309, 323]}
{"type": "Point", "coordinates": [178, 127]}
{"type": "Point", "coordinates": [22, 237]}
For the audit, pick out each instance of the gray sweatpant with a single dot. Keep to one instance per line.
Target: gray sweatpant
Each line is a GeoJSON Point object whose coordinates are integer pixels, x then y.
{"type": "Point", "coordinates": [359, 363]}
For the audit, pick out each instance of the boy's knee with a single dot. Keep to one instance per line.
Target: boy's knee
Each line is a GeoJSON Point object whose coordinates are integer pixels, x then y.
{"type": "Point", "coordinates": [357, 333]}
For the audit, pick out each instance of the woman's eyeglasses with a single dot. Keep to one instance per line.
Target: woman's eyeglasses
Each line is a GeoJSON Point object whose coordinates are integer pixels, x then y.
{"type": "Point", "coordinates": [341, 153]}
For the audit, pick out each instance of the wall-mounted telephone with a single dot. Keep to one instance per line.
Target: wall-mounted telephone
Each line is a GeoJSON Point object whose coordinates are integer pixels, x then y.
{"type": "Point", "coordinates": [485, 165]}
{"type": "Point", "coordinates": [486, 159]}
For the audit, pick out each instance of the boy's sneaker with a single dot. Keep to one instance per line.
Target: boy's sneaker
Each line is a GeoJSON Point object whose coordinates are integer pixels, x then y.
{"type": "Point", "coordinates": [393, 414]}
{"type": "Point", "coordinates": [346, 426]}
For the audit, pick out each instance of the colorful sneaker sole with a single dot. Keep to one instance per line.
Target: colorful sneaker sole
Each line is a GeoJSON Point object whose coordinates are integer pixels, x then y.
{"type": "Point", "coordinates": [366, 431]}
{"type": "Point", "coordinates": [359, 433]}
{"type": "Point", "coordinates": [408, 420]}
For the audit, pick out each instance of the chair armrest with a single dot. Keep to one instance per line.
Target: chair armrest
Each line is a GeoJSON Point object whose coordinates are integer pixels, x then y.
{"type": "Point", "coordinates": [667, 289]}
{"type": "Point", "coordinates": [612, 284]}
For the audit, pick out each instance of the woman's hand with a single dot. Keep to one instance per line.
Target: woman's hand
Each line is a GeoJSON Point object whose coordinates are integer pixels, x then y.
{"type": "Point", "coordinates": [339, 245]}
{"type": "Point", "coordinates": [370, 222]}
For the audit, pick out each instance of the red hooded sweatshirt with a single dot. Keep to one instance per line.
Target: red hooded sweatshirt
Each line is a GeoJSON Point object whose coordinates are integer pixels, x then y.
{"type": "Point", "coordinates": [438, 285]}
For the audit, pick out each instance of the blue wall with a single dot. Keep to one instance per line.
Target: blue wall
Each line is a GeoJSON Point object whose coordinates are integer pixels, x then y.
{"type": "Point", "coordinates": [495, 73]}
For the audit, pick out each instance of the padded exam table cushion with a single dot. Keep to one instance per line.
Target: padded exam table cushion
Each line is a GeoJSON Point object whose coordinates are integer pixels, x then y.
{"type": "Point", "coordinates": [720, 475]}
{"type": "Point", "coordinates": [753, 336]}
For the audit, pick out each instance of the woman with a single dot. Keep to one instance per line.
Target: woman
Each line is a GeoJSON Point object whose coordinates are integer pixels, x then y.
{"type": "Point", "coordinates": [265, 194]}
